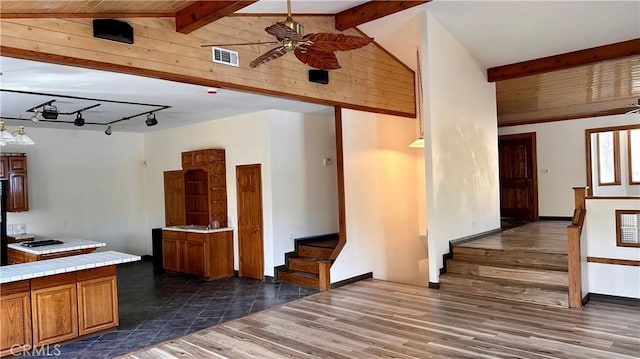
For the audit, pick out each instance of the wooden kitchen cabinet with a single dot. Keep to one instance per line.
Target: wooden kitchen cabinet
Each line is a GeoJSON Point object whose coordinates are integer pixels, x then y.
{"type": "Point", "coordinates": [54, 308]}
{"type": "Point", "coordinates": [198, 193]}
{"type": "Point", "coordinates": [14, 168]}
{"type": "Point", "coordinates": [15, 317]}
{"type": "Point", "coordinates": [97, 300]}
{"type": "Point", "coordinates": [174, 198]}
{"type": "Point", "coordinates": [205, 255]}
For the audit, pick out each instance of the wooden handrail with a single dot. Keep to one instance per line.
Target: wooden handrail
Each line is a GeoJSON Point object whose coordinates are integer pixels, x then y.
{"type": "Point", "coordinates": [574, 230]}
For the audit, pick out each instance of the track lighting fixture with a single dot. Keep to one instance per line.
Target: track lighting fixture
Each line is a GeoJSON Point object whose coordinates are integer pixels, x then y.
{"type": "Point", "coordinates": [151, 119]}
{"type": "Point", "coordinates": [50, 112]}
{"type": "Point", "coordinates": [108, 130]}
{"type": "Point", "coordinates": [79, 120]}
{"type": "Point", "coordinates": [37, 116]}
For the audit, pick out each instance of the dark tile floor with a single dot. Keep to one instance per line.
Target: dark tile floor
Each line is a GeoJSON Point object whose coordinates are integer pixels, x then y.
{"type": "Point", "coordinates": [155, 308]}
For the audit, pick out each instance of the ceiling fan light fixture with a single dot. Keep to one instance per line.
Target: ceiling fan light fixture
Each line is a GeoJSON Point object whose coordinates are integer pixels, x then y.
{"type": "Point", "coordinates": [79, 121]}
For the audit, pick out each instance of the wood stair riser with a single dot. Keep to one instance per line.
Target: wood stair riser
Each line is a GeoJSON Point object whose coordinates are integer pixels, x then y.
{"type": "Point", "coordinates": [314, 252]}
{"type": "Point", "coordinates": [521, 293]}
{"type": "Point", "coordinates": [292, 277]}
{"type": "Point", "coordinates": [303, 265]}
{"type": "Point", "coordinates": [552, 261]}
{"type": "Point", "coordinates": [522, 274]}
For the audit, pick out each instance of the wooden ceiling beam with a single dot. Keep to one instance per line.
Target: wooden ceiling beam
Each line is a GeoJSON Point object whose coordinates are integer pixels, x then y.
{"type": "Point", "coordinates": [565, 61]}
{"type": "Point", "coordinates": [202, 13]}
{"type": "Point", "coordinates": [369, 11]}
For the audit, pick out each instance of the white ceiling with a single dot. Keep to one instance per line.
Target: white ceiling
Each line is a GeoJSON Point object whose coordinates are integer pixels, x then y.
{"type": "Point", "coordinates": [495, 32]}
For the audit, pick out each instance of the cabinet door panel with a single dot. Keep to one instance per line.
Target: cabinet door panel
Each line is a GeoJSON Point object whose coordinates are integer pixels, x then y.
{"type": "Point", "coordinates": [4, 168]}
{"type": "Point", "coordinates": [15, 321]}
{"type": "Point", "coordinates": [194, 254]}
{"type": "Point", "coordinates": [97, 304]}
{"type": "Point", "coordinates": [55, 314]}
{"type": "Point", "coordinates": [174, 198]}
{"type": "Point", "coordinates": [17, 199]}
{"type": "Point", "coordinates": [170, 254]}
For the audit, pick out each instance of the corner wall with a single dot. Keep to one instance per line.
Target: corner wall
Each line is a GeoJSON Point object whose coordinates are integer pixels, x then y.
{"type": "Point", "coordinates": [381, 197]}
{"type": "Point", "coordinates": [84, 184]}
{"type": "Point", "coordinates": [461, 144]}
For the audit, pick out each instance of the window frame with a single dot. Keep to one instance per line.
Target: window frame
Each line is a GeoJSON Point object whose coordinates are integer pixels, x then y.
{"type": "Point", "coordinates": [630, 158]}
{"type": "Point", "coordinates": [619, 213]}
{"type": "Point", "coordinates": [616, 159]}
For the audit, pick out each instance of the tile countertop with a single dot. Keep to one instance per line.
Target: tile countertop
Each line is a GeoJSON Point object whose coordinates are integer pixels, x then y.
{"type": "Point", "coordinates": [197, 229]}
{"type": "Point", "coordinates": [16, 272]}
{"type": "Point", "coordinates": [70, 244]}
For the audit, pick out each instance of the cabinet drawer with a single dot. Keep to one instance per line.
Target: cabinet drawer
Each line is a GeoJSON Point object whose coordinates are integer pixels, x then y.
{"type": "Point", "coordinates": [174, 235]}
{"type": "Point", "coordinates": [18, 164]}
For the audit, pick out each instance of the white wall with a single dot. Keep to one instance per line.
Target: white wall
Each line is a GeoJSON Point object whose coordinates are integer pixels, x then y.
{"type": "Point", "coordinates": [299, 195]}
{"type": "Point", "coordinates": [600, 235]}
{"type": "Point", "coordinates": [381, 200]}
{"type": "Point", "coordinates": [87, 185]}
{"type": "Point", "coordinates": [461, 148]}
{"type": "Point", "coordinates": [561, 151]}
{"type": "Point", "coordinates": [304, 189]}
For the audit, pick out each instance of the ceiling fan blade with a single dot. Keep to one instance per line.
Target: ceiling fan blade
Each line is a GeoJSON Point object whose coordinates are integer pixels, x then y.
{"type": "Point", "coordinates": [268, 56]}
{"type": "Point", "coordinates": [243, 43]}
{"type": "Point", "coordinates": [282, 31]}
{"type": "Point", "coordinates": [323, 60]}
{"type": "Point", "coordinates": [336, 42]}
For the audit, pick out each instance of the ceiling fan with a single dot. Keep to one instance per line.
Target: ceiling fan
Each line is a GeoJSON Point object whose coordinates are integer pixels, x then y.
{"type": "Point", "coordinates": [316, 50]}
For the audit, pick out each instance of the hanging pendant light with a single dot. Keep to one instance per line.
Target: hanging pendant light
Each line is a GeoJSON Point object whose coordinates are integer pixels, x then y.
{"type": "Point", "coordinates": [5, 136]}
{"type": "Point", "coordinates": [418, 143]}
{"type": "Point", "coordinates": [22, 138]}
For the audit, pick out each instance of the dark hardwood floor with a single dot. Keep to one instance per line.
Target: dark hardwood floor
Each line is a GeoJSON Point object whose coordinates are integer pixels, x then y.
{"type": "Point", "coordinates": [375, 318]}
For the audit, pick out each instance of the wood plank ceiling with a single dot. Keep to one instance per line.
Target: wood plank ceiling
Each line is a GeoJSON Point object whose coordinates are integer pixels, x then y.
{"type": "Point", "coordinates": [591, 82]}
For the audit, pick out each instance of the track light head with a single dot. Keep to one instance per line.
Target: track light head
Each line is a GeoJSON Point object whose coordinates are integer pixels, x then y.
{"type": "Point", "coordinates": [37, 116]}
{"type": "Point", "coordinates": [108, 130]}
{"type": "Point", "coordinates": [151, 119]}
{"type": "Point", "coordinates": [50, 112]}
{"type": "Point", "coordinates": [79, 121]}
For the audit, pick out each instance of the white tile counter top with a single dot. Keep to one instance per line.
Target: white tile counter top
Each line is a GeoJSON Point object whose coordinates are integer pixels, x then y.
{"type": "Point", "coordinates": [197, 229]}
{"type": "Point", "coordinates": [70, 244]}
{"type": "Point", "coordinates": [16, 272]}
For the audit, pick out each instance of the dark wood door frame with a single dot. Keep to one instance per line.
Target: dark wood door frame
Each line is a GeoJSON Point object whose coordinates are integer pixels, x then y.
{"type": "Point", "coordinates": [530, 138]}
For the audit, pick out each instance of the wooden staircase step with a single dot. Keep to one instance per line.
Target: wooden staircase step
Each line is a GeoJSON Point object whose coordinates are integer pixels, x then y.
{"type": "Point", "coordinates": [503, 271]}
{"type": "Point", "coordinates": [304, 264]}
{"type": "Point", "coordinates": [314, 252]}
{"type": "Point", "coordinates": [553, 295]}
{"type": "Point", "coordinates": [550, 261]}
{"type": "Point", "coordinates": [300, 278]}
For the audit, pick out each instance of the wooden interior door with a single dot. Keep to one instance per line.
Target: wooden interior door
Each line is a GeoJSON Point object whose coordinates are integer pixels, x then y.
{"type": "Point", "coordinates": [250, 232]}
{"type": "Point", "coordinates": [518, 176]}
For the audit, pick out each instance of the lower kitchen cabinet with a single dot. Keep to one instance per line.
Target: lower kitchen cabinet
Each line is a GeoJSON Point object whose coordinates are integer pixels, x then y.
{"type": "Point", "coordinates": [56, 308]}
{"type": "Point", "coordinates": [206, 255]}
{"type": "Point", "coordinates": [15, 318]}
{"type": "Point", "coordinates": [97, 303]}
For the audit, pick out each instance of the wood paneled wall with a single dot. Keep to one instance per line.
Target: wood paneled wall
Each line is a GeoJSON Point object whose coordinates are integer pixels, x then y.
{"type": "Point", "coordinates": [370, 78]}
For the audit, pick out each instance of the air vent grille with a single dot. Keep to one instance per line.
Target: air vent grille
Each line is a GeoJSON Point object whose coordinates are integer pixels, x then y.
{"type": "Point", "coordinates": [224, 56]}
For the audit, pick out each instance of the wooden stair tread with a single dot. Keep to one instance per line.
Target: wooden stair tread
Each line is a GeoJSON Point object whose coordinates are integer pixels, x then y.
{"type": "Point", "coordinates": [325, 243]}
{"type": "Point", "coordinates": [547, 261]}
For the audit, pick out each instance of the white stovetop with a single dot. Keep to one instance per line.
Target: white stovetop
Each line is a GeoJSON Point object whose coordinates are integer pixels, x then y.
{"type": "Point", "coordinates": [69, 244]}
{"type": "Point", "coordinates": [22, 271]}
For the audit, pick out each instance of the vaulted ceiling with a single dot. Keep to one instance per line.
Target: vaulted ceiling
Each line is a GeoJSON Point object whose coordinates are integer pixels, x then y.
{"type": "Point", "coordinates": [595, 70]}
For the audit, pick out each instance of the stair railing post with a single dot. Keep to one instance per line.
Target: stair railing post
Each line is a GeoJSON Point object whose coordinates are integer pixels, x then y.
{"type": "Point", "coordinates": [324, 275]}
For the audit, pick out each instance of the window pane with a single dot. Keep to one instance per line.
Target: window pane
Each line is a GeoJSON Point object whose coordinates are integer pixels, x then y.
{"type": "Point", "coordinates": [606, 158]}
{"type": "Point", "coordinates": [634, 153]}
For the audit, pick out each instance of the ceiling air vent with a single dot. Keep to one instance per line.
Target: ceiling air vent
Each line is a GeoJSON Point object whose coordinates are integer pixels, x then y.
{"type": "Point", "coordinates": [224, 56]}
